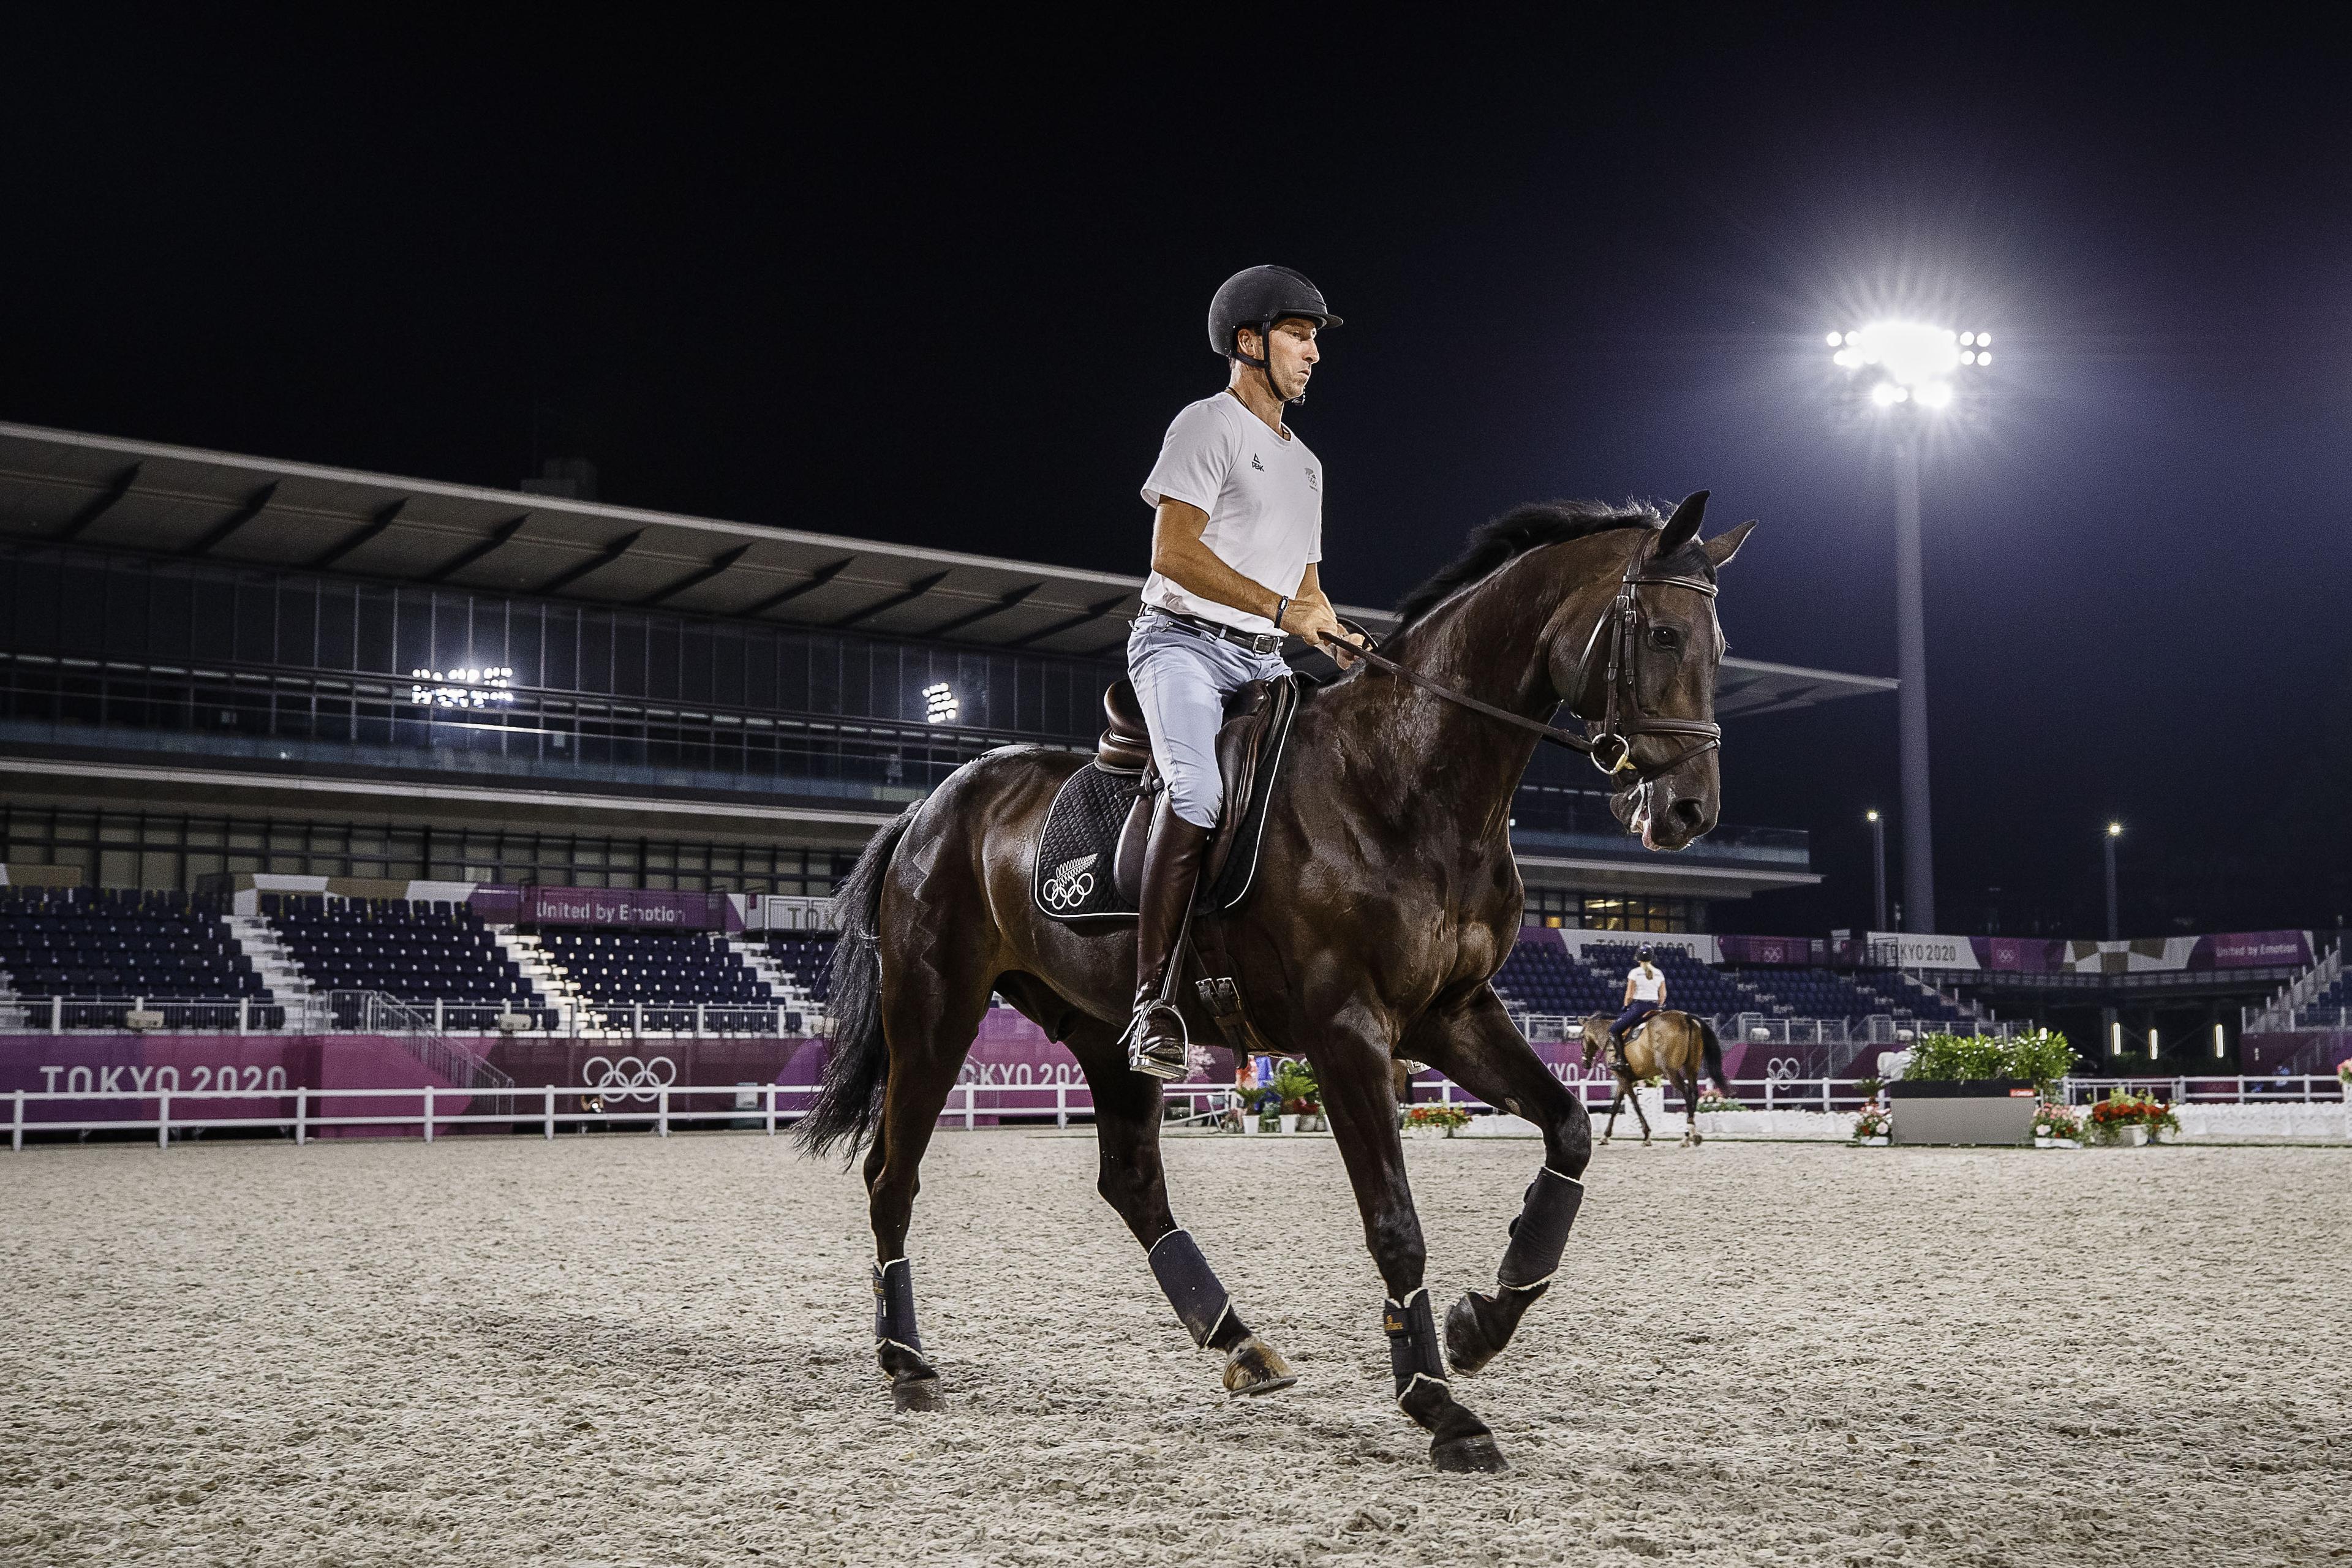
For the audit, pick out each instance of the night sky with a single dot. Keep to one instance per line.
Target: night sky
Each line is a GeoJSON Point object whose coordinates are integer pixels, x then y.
{"type": "Point", "coordinates": [948, 289]}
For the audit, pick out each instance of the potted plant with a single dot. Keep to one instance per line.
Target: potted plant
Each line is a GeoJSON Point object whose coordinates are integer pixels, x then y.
{"type": "Point", "coordinates": [2344, 1077]}
{"type": "Point", "coordinates": [2131, 1120]}
{"type": "Point", "coordinates": [1435, 1120]}
{"type": "Point", "coordinates": [2056, 1126]}
{"type": "Point", "coordinates": [1302, 1104]}
{"type": "Point", "coordinates": [1974, 1088]}
{"type": "Point", "coordinates": [1873, 1125]}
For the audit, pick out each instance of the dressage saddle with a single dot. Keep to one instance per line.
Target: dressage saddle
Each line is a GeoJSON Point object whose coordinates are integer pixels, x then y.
{"type": "Point", "coordinates": [1249, 750]}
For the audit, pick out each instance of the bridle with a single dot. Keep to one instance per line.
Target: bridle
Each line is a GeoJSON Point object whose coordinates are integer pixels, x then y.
{"type": "Point", "coordinates": [1607, 695]}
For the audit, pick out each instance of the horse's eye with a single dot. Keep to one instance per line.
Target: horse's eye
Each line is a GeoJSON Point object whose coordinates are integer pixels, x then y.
{"type": "Point", "coordinates": [1665, 638]}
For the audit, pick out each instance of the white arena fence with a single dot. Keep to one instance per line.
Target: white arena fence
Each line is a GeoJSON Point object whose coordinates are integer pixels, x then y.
{"type": "Point", "coordinates": [619, 1100]}
{"type": "Point", "coordinates": [372, 1013]}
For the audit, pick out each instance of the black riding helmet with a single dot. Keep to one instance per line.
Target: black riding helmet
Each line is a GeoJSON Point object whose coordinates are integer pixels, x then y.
{"type": "Point", "coordinates": [1257, 298]}
{"type": "Point", "coordinates": [1646, 953]}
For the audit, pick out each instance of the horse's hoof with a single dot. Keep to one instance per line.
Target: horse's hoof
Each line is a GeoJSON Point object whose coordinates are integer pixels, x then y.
{"type": "Point", "coordinates": [915, 1393]}
{"type": "Point", "coordinates": [1473, 1454]}
{"type": "Point", "coordinates": [1256, 1367]}
{"type": "Point", "coordinates": [1467, 1346]}
{"type": "Point", "coordinates": [1604, 1137]}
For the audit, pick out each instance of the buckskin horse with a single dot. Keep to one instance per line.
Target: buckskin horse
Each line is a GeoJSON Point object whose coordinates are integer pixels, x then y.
{"type": "Point", "coordinates": [1386, 900]}
{"type": "Point", "coordinates": [1671, 1044]}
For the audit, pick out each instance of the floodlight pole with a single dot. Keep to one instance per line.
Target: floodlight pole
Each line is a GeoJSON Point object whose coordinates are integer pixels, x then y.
{"type": "Point", "coordinates": [1878, 869]}
{"type": "Point", "coordinates": [2114, 927]}
{"type": "Point", "coordinates": [1911, 666]}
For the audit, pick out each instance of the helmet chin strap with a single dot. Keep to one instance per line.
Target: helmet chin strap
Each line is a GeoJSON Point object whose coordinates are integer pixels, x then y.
{"type": "Point", "coordinates": [1265, 367]}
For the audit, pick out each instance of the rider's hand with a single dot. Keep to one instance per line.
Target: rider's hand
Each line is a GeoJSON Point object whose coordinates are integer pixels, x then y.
{"type": "Point", "coordinates": [1322, 628]}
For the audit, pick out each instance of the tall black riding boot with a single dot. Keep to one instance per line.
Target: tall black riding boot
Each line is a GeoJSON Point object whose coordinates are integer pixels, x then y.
{"type": "Point", "coordinates": [1156, 1042]}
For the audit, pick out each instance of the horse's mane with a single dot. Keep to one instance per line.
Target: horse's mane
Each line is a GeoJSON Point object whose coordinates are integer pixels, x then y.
{"type": "Point", "coordinates": [1497, 544]}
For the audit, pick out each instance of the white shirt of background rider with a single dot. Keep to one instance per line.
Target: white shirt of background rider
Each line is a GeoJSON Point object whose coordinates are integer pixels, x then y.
{"type": "Point", "coordinates": [1264, 496]}
{"type": "Point", "coordinates": [1644, 984]}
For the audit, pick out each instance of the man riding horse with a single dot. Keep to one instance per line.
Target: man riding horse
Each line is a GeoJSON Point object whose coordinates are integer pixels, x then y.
{"type": "Point", "coordinates": [1236, 536]}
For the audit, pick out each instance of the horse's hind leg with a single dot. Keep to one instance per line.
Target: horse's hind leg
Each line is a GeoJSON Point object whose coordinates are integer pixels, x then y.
{"type": "Point", "coordinates": [1478, 1047]}
{"type": "Point", "coordinates": [929, 1017]}
{"type": "Point", "coordinates": [1134, 1182]}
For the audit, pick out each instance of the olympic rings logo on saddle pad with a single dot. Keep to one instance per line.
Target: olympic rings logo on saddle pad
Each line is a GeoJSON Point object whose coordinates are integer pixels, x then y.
{"type": "Point", "coordinates": [630, 1077]}
{"type": "Point", "coordinates": [1072, 883]}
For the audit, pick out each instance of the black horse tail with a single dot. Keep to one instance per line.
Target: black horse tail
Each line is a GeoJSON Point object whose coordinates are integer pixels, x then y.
{"type": "Point", "coordinates": [857, 1065]}
{"type": "Point", "coordinates": [1712, 1045]}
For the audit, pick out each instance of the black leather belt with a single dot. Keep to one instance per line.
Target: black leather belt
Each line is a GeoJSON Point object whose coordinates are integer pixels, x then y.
{"type": "Point", "coordinates": [1257, 642]}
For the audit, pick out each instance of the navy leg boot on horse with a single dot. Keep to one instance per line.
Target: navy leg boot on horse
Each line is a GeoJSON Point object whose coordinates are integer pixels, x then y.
{"type": "Point", "coordinates": [914, 1384]}
{"type": "Point", "coordinates": [1478, 1326]}
{"type": "Point", "coordinates": [1157, 1045]}
{"type": "Point", "coordinates": [1459, 1441]}
{"type": "Point", "coordinates": [1206, 1309]}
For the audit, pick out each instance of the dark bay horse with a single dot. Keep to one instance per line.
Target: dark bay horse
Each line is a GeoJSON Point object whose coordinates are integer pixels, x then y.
{"type": "Point", "coordinates": [1387, 898]}
{"type": "Point", "coordinates": [1674, 1045]}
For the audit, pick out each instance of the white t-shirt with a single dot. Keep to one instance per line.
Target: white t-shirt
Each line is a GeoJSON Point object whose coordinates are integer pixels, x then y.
{"type": "Point", "coordinates": [1647, 987]}
{"type": "Point", "coordinates": [1263, 495]}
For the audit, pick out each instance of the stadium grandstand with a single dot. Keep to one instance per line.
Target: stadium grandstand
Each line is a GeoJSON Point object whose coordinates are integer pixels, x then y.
{"type": "Point", "coordinates": [214, 666]}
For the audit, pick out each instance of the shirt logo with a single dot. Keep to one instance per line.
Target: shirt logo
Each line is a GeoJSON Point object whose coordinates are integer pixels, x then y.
{"type": "Point", "coordinates": [1313, 483]}
{"type": "Point", "coordinates": [1255, 464]}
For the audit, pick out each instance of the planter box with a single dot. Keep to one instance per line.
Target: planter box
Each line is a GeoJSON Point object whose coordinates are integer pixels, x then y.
{"type": "Point", "coordinates": [1975, 1110]}
{"type": "Point", "coordinates": [1290, 1123]}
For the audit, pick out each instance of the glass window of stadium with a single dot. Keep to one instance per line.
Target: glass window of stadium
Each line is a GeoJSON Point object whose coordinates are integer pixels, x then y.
{"type": "Point", "coordinates": [149, 850]}
{"type": "Point", "coordinates": [131, 652]}
{"type": "Point", "coordinates": [1613, 912]}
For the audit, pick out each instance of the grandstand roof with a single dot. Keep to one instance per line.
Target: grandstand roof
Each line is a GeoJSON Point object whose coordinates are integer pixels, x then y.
{"type": "Point", "coordinates": [60, 486]}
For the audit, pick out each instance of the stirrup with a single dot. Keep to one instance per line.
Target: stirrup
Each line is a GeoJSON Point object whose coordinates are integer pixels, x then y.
{"type": "Point", "coordinates": [1151, 1064]}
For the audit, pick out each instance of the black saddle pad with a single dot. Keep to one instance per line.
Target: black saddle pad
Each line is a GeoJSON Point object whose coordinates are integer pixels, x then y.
{"type": "Point", "coordinates": [1072, 880]}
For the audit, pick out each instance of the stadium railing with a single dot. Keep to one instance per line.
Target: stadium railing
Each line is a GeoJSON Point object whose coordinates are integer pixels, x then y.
{"type": "Point", "coordinates": [618, 1102]}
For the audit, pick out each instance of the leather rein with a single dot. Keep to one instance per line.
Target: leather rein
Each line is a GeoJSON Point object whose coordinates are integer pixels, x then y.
{"type": "Point", "coordinates": [1623, 717]}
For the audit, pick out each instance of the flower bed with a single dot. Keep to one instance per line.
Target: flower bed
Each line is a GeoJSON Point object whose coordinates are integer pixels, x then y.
{"type": "Point", "coordinates": [1872, 1124]}
{"type": "Point", "coordinates": [1435, 1120]}
{"type": "Point", "coordinates": [2056, 1124]}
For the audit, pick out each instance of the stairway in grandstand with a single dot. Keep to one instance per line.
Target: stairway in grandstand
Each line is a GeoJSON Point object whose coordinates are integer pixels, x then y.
{"type": "Point", "coordinates": [439, 958]}
{"type": "Point", "coordinates": [2318, 998]}
{"type": "Point", "coordinates": [805, 957]}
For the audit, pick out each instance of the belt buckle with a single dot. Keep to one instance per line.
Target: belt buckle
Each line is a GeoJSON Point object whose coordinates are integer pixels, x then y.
{"type": "Point", "coordinates": [1266, 642]}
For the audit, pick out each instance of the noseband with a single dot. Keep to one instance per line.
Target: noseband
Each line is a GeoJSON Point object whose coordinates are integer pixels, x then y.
{"type": "Point", "coordinates": [1608, 696]}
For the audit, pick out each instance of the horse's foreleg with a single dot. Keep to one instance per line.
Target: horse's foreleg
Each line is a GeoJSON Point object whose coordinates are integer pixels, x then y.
{"type": "Point", "coordinates": [1480, 1048]}
{"type": "Point", "coordinates": [1134, 1182]}
{"type": "Point", "coordinates": [1351, 1061]}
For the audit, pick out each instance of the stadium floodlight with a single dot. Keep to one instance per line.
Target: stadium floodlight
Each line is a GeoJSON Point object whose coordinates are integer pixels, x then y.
{"type": "Point", "coordinates": [2115, 830]}
{"type": "Point", "coordinates": [2220, 1041]}
{"type": "Point", "coordinates": [1904, 370]}
{"type": "Point", "coordinates": [2153, 1049]}
{"type": "Point", "coordinates": [1913, 363]}
{"type": "Point", "coordinates": [939, 704]}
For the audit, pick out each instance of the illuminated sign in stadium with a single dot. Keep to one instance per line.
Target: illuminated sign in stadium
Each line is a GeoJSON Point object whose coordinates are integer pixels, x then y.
{"type": "Point", "coordinates": [939, 704]}
{"type": "Point", "coordinates": [462, 688]}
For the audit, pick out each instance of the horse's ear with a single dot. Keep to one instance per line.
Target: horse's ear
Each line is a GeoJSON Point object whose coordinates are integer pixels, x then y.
{"type": "Point", "coordinates": [1682, 526]}
{"type": "Point", "coordinates": [1725, 545]}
